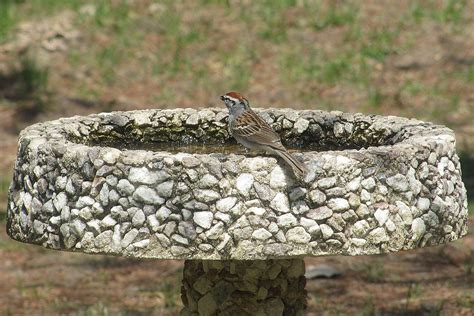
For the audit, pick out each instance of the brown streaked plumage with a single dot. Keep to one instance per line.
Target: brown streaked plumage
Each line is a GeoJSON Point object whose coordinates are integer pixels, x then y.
{"type": "Point", "coordinates": [250, 130]}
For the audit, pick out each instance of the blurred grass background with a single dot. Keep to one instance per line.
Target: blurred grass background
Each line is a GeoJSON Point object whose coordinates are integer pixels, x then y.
{"type": "Point", "coordinates": [63, 58]}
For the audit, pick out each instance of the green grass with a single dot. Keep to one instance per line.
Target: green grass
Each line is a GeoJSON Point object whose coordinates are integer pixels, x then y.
{"type": "Point", "coordinates": [275, 28]}
{"type": "Point", "coordinates": [451, 11]}
{"type": "Point", "coordinates": [466, 300]}
{"type": "Point", "coordinates": [170, 295]}
{"type": "Point", "coordinates": [32, 77]}
{"type": "Point", "coordinates": [238, 69]}
{"type": "Point", "coordinates": [107, 60]}
{"type": "Point", "coordinates": [450, 103]}
{"type": "Point", "coordinates": [368, 309]}
{"type": "Point", "coordinates": [113, 15]}
{"type": "Point", "coordinates": [271, 14]}
{"type": "Point", "coordinates": [334, 69]}
{"type": "Point", "coordinates": [110, 16]}
{"type": "Point", "coordinates": [226, 3]}
{"type": "Point", "coordinates": [375, 98]}
{"type": "Point", "coordinates": [317, 67]}
{"type": "Point", "coordinates": [336, 15]}
{"type": "Point", "coordinates": [380, 43]}
{"type": "Point", "coordinates": [172, 47]}
{"type": "Point", "coordinates": [276, 23]}
{"type": "Point", "coordinates": [114, 19]}
{"type": "Point", "coordinates": [466, 74]}
{"type": "Point", "coordinates": [13, 12]}
{"type": "Point", "coordinates": [172, 57]}
{"type": "Point", "coordinates": [374, 271]}
{"type": "Point", "coordinates": [411, 87]}
{"type": "Point", "coordinates": [26, 87]}
{"type": "Point", "coordinates": [62, 307]}
{"type": "Point", "coordinates": [7, 17]}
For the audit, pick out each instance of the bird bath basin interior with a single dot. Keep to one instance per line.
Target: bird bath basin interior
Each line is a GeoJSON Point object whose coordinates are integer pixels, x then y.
{"type": "Point", "coordinates": [172, 184]}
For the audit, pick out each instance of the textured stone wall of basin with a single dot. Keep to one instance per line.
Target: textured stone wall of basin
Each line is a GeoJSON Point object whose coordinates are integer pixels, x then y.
{"type": "Point", "coordinates": [375, 185]}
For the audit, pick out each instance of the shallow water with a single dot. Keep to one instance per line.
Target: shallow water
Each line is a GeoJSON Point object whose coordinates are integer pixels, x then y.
{"type": "Point", "coordinates": [203, 148]}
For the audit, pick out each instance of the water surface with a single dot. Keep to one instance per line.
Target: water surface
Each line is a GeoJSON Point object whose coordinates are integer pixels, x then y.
{"type": "Point", "coordinates": [200, 148]}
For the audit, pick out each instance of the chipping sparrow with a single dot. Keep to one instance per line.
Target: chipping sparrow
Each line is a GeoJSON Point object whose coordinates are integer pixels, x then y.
{"type": "Point", "coordinates": [250, 130]}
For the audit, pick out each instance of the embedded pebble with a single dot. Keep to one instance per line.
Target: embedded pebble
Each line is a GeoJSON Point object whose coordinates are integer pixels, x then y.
{"type": "Point", "coordinates": [381, 215]}
{"type": "Point", "coordinates": [38, 227]}
{"type": "Point", "coordinates": [398, 182]}
{"type": "Point", "coordinates": [147, 195]}
{"type": "Point", "coordinates": [287, 220]}
{"type": "Point", "coordinates": [404, 212]}
{"type": "Point", "coordinates": [153, 222]}
{"type": "Point", "coordinates": [143, 176]}
{"type": "Point", "coordinates": [163, 213]}
{"type": "Point", "coordinates": [141, 244]}
{"type": "Point", "coordinates": [301, 125]}
{"type": "Point", "coordinates": [338, 204]}
{"type": "Point", "coordinates": [187, 230]}
{"type": "Point", "coordinates": [103, 239]}
{"type": "Point", "coordinates": [423, 204]}
{"type": "Point", "coordinates": [326, 183]}
{"type": "Point", "coordinates": [368, 184]}
{"type": "Point", "coordinates": [326, 231]}
{"type": "Point", "coordinates": [138, 218]}
{"type": "Point", "coordinates": [208, 181]}
{"type": "Point", "coordinates": [354, 184]}
{"type": "Point", "coordinates": [298, 235]}
{"type": "Point", "coordinates": [60, 201]}
{"type": "Point", "coordinates": [206, 195]}
{"type": "Point", "coordinates": [125, 187]}
{"type": "Point", "coordinates": [224, 205]}
{"type": "Point", "coordinates": [320, 213]}
{"type": "Point", "coordinates": [84, 201]}
{"type": "Point", "coordinates": [215, 231]}
{"type": "Point", "coordinates": [180, 239]}
{"type": "Point", "coordinates": [165, 189]}
{"type": "Point", "coordinates": [317, 197]}
{"type": "Point", "coordinates": [203, 219]}
{"type": "Point", "coordinates": [360, 228]}
{"type": "Point", "coordinates": [418, 228]}
{"type": "Point", "coordinates": [129, 237]}
{"type": "Point", "coordinates": [277, 178]}
{"type": "Point", "coordinates": [378, 236]}
{"type": "Point", "coordinates": [261, 234]}
{"type": "Point", "coordinates": [280, 203]}
{"type": "Point", "coordinates": [243, 183]}
{"type": "Point", "coordinates": [85, 213]}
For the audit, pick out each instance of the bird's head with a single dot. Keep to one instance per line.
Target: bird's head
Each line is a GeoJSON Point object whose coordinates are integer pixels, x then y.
{"type": "Point", "coordinates": [235, 101]}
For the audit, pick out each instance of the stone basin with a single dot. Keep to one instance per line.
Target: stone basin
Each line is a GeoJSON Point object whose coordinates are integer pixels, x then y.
{"type": "Point", "coordinates": [171, 184]}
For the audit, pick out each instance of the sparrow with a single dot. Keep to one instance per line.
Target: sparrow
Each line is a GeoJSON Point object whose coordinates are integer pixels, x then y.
{"type": "Point", "coordinates": [253, 132]}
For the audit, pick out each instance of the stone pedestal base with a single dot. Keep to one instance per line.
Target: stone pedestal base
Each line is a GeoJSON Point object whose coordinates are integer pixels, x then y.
{"type": "Point", "coordinates": [257, 287]}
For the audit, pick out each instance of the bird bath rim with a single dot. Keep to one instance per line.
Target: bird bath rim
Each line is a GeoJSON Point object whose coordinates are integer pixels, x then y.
{"type": "Point", "coordinates": [402, 192]}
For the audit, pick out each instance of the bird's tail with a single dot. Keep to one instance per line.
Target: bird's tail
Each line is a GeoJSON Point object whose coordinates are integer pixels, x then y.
{"type": "Point", "coordinates": [298, 167]}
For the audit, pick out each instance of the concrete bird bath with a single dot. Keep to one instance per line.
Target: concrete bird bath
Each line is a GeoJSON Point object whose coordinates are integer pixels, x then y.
{"type": "Point", "coordinates": [120, 184]}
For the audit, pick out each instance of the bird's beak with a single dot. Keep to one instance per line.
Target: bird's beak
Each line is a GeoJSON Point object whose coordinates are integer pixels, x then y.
{"type": "Point", "coordinates": [222, 98]}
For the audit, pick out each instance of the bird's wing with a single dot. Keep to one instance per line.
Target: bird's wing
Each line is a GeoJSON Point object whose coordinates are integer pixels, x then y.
{"type": "Point", "coordinates": [251, 126]}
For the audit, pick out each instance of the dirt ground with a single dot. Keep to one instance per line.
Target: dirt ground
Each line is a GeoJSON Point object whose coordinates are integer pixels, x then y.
{"type": "Point", "coordinates": [64, 58]}
{"type": "Point", "coordinates": [430, 281]}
